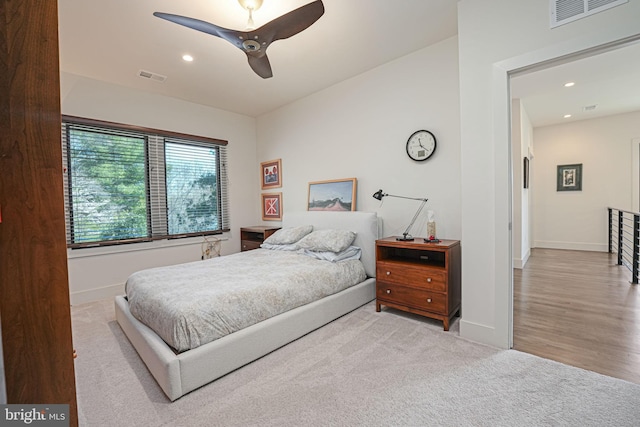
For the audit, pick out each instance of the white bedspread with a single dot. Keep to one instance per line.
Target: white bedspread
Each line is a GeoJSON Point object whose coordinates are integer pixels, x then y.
{"type": "Point", "coordinates": [191, 304]}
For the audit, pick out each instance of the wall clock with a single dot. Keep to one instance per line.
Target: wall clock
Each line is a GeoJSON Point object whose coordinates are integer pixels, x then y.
{"type": "Point", "coordinates": [421, 145]}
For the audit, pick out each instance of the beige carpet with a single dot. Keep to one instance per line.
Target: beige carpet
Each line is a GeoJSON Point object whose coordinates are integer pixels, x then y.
{"type": "Point", "coordinates": [364, 369]}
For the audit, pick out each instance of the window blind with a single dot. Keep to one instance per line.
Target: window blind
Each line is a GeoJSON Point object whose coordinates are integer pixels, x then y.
{"type": "Point", "coordinates": [124, 185]}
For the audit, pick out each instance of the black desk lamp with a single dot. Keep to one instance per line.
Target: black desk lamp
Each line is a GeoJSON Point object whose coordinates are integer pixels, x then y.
{"type": "Point", "coordinates": [406, 237]}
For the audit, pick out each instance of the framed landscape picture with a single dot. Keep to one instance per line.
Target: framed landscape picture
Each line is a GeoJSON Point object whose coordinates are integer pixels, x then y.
{"type": "Point", "coordinates": [333, 195]}
{"type": "Point", "coordinates": [271, 174]}
{"type": "Point", "coordinates": [569, 177]}
{"type": "Point", "coordinates": [271, 206]}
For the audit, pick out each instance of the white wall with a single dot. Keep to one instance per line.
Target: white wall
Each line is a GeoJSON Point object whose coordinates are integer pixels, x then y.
{"type": "Point", "coordinates": [579, 219]}
{"type": "Point", "coordinates": [521, 147]}
{"type": "Point", "coordinates": [96, 273]}
{"type": "Point", "coordinates": [359, 128]}
{"type": "Point", "coordinates": [496, 37]}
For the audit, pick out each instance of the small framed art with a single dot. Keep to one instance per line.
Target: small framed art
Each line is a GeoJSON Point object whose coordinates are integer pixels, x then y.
{"type": "Point", "coordinates": [271, 206]}
{"type": "Point", "coordinates": [333, 195]}
{"type": "Point", "coordinates": [271, 174]}
{"type": "Point", "coordinates": [569, 177]}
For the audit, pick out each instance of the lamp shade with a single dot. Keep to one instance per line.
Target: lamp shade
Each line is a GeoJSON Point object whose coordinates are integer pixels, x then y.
{"type": "Point", "coordinates": [378, 195]}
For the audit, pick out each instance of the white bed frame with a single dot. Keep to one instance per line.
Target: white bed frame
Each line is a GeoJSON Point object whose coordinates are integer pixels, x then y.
{"type": "Point", "coordinates": [179, 374]}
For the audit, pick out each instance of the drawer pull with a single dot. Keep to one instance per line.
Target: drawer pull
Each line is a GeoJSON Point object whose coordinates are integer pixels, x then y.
{"type": "Point", "coordinates": [428, 279]}
{"type": "Point", "coordinates": [388, 291]}
{"type": "Point", "coordinates": [388, 273]}
{"type": "Point", "coordinates": [428, 299]}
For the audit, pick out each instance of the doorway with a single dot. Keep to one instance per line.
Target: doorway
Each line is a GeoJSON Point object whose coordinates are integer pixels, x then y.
{"type": "Point", "coordinates": [550, 316]}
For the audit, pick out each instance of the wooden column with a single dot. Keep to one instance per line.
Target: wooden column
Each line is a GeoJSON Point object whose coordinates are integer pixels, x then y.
{"type": "Point", "coordinates": [34, 290]}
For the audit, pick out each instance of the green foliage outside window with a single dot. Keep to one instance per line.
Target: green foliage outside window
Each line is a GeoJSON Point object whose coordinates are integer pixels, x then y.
{"type": "Point", "coordinates": [192, 188]}
{"type": "Point", "coordinates": [108, 186]}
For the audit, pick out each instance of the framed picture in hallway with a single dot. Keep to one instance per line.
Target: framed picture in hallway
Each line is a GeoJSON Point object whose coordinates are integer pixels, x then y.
{"type": "Point", "coordinates": [569, 177]}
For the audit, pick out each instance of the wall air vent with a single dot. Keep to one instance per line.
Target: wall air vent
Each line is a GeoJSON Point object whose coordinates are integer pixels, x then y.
{"type": "Point", "coordinates": [565, 11]}
{"type": "Point", "coordinates": [152, 76]}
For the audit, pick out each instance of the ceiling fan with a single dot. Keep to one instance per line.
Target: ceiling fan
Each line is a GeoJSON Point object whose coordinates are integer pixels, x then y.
{"type": "Point", "coordinates": [255, 42]}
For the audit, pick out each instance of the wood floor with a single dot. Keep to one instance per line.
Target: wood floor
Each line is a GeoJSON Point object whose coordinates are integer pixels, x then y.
{"type": "Point", "coordinates": [578, 308]}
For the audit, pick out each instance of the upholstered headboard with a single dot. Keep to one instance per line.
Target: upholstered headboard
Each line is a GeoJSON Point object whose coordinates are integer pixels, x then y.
{"type": "Point", "coordinates": [366, 225]}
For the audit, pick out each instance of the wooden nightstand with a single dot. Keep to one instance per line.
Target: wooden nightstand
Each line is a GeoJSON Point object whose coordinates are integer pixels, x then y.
{"type": "Point", "coordinates": [421, 278]}
{"type": "Point", "coordinates": [252, 237]}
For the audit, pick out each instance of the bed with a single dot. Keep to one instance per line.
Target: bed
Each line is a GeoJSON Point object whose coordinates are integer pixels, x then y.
{"type": "Point", "coordinates": [179, 372]}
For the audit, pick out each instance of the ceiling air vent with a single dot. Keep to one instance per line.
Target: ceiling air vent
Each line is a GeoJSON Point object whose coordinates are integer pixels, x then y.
{"type": "Point", "coordinates": [565, 11]}
{"type": "Point", "coordinates": [588, 108]}
{"type": "Point", "coordinates": [152, 76]}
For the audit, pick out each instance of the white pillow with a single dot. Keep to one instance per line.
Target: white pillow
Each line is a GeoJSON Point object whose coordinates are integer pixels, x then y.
{"type": "Point", "coordinates": [291, 247]}
{"type": "Point", "coordinates": [287, 236]}
{"type": "Point", "coordinates": [327, 240]}
{"type": "Point", "coordinates": [352, 252]}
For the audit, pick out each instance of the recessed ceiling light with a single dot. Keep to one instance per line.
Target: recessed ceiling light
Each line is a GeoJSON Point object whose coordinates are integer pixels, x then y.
{"type": "Point", "coordinates": [566, 116]}
{"type": "Point", "coordinates": [187, 57]}
{"type": "Point", "coordinates": [569, 84]}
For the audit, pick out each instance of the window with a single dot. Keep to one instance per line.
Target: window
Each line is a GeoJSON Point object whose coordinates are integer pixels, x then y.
{"type": "Point", "coordinates": [126, 184]}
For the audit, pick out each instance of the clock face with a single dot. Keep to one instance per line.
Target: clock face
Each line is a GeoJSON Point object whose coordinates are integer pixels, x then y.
{"type": "Point", "coordinates": [421, 145]}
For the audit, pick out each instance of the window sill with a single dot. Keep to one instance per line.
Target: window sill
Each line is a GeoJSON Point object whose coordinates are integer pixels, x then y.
{"type": "Point", "coordinates": [143, 246]}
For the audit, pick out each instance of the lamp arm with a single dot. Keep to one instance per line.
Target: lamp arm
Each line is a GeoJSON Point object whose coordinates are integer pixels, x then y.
{"type": "Point", "coordinates": [424, 201]}
{"type": "Point", "coordinates": [404, 197]}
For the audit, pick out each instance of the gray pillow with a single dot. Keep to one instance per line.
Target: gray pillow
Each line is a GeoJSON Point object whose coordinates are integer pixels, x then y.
{"type": "Point", "coordinates": [327, 240]}
{"type": "Point", "coordinates": [287, 236]}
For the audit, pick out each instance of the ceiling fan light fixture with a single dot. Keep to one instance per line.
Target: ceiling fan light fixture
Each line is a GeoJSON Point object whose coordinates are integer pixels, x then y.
{"type": "Point", "coordinates": [250, 5]}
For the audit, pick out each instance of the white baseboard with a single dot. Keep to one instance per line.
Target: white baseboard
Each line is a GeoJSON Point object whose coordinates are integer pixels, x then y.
{"type": "Point", "coordinates": [90, 295]}
{"type": "Point", "coordinates": [520, 263]}
{"type": "Point", "coordinates": [572, 246]}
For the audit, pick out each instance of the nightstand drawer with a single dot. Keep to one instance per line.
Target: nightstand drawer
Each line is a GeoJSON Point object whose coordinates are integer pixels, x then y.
{"type": "Point", "coordinates": [423, 277]}
{"type": "Point", "coordinates": [411, 297]}
{"type": "Point", "coordinates": [247, 245]}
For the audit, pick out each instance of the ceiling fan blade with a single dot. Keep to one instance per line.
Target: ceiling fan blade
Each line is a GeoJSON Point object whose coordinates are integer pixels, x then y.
{"type": "Point", "coordinates": [260, 64]}
{"type": "Point", "coordinates": [291, 23]}
{"type": "Point", "coordinates": [203, 26]}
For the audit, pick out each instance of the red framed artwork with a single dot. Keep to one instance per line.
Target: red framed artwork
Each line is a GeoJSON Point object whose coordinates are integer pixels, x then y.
{"type": "Point", "coordinates": [271, 174]}
{"type": "Point", "coordinates": [271, 206]}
